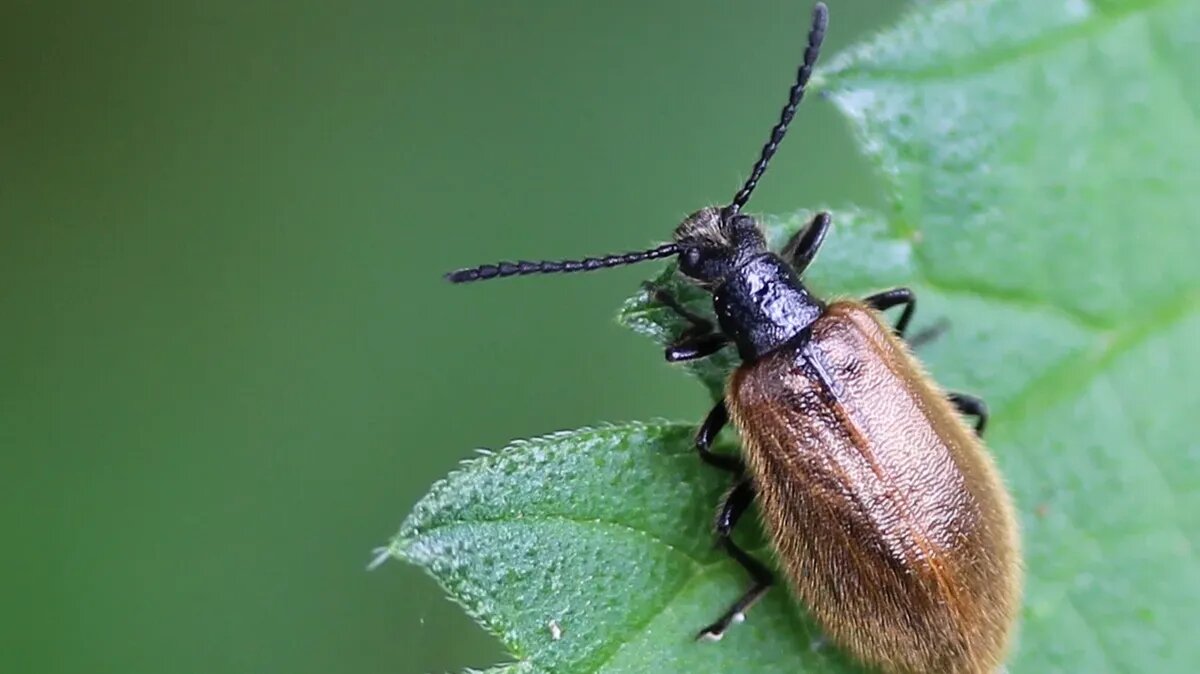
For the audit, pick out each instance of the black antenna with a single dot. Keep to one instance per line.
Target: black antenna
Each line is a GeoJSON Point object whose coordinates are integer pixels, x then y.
{"type": "Point", "coordinates": [485, 272]}
{"type": "Point", "coordinates": [816, 35]}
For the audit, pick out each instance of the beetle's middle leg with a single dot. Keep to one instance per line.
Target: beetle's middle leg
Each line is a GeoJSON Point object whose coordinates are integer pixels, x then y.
{"type": "Point", "coordinates": [734, 506]}
{"type": "Point", "coordinates": [713, 423]}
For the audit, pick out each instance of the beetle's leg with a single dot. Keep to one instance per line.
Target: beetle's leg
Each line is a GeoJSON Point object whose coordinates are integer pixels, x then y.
{"type": "Point", "coordinates": [695, 347]}
{"type": "Point", "coordinates": [928, 334]}
{"type": "Point", "coordinates": [971, 406]}
{"type": "Point", "coordinates": [699, 324]}
{"type": "Point", "coordinates": [735, 504]}
{"type": "Point", "coordinates": [713, 423]}
{"type": "Point", "coordinates": [803, 246]}
{"type": "Point", "coordinates": [894, 297]}
{"type": "Point", "coordinates": [700, 340]}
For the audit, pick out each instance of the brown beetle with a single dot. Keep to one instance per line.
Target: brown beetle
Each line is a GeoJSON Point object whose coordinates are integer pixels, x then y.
{"type": "Point", "coordinates": [887, 514]}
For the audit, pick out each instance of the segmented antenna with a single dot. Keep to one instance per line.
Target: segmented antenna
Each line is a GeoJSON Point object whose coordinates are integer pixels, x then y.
{"type": "Point", "coordinates": [816, 35]}
{"type": "Point", "coordinates": [485, 272]}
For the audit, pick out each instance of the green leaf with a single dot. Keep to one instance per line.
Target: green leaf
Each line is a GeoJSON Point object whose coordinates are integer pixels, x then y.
{"type": "Point", "coordinates": [1043, 162]}
{"type": "Point", "coordinates": [603, 534]}
{"type": "Point", "coordinates": [1045, 159]}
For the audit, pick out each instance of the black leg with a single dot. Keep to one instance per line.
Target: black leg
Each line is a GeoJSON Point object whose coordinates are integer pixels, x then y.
{"type": "Point", "coordinates": [695, 346]}
{"type": "Point", "coordinates": [928, 334]}
{"type": "Point", "coordinates": [971, 406]}
{"type": "Point", "coordinates": [736, 503]}
{"type": "Point", "coordinates": [699, 324]}
{"type": "Point", "coordinates": [699, 340]}
{"type": "Point", "coordinates": [713, 423]}
{"type": "Point", "coordinates": [890, 298]}
{"type": "Point", "coordinates": [803, 246]}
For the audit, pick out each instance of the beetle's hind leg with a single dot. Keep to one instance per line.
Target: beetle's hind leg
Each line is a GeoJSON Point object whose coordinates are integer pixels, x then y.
{"type": "Point", "coordinates": [971, 406]}
{"type": "Point", "coordinates": [700, 340]}
{"type": "Point", "coordinates": [732, 509]}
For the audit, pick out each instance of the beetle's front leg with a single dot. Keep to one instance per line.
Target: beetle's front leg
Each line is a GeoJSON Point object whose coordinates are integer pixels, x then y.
{"type": "Point", "coordinates": [804, 244]}
{"type": "Point", "coordinates": [700, 340]}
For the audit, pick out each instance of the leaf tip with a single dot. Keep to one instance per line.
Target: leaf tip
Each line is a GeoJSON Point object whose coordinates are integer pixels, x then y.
{"type": "Point", "coordinates": [379, 555]}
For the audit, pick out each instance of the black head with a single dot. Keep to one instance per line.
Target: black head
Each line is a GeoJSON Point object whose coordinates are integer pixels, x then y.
{"type": "Point", "coordinates": [711, 242]}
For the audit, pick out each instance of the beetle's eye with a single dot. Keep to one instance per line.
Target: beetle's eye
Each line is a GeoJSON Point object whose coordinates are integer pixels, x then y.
{"type": "Point", "coordinates": [691, 258]}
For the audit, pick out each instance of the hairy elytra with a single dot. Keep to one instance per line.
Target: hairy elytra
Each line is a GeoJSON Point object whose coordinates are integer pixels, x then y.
{"type": "Point", "coordinates": [888, 516]}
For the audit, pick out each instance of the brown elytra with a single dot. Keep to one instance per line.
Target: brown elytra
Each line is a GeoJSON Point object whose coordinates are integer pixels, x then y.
{"type": "Point", "coordinates": [889, 519]}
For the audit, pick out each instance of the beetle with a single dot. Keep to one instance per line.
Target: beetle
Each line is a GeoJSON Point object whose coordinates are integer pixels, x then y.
{"type": "Point", "coordinates": [888, 516]}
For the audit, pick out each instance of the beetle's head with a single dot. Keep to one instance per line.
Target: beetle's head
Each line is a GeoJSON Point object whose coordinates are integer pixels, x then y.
{"type": "Point", "coordinates": [712, 242]}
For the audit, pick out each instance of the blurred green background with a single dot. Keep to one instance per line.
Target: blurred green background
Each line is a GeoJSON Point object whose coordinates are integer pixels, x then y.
{"type": "Point", "coordinates": [230, 365]}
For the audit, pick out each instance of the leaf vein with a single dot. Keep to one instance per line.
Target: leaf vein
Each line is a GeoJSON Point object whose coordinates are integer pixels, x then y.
{"type": "Point", "coordinates": [552, 517]}
{"type": "Point", "coordinates": [1143, 448]}
{"type": "Point", "coordinates": [1166, 65]}
{"type": "Point", "coordinates": [999, 295]}
{"type": "Point", "coordinates": [700, 574]}
{"type": "Point", "coordinates": [1098, 361]}
{"type": "Point", "coordinates": [1101, 647]}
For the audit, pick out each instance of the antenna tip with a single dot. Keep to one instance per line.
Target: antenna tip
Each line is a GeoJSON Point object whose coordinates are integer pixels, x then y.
{"type": "Point", "coordinates": [820, 17]}
{"type": "Point", "coordinates": [472, 274]}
